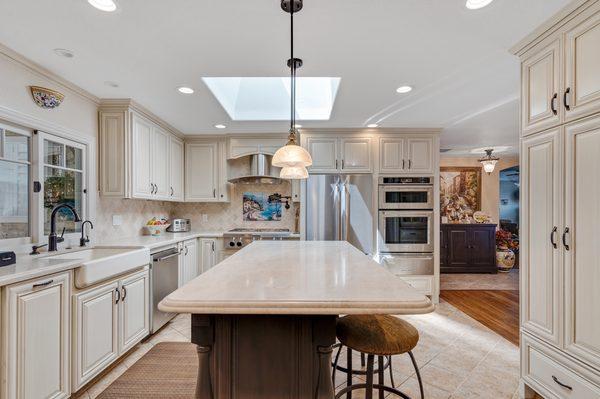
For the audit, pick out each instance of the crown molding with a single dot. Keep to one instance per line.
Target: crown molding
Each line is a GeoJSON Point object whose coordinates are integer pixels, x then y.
{"type": "Point", "coordinates": [42, 72]}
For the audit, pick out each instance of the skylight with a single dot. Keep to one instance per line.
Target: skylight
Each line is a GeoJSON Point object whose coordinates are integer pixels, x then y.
{"type": "Point", "coordinates": [268, 99]}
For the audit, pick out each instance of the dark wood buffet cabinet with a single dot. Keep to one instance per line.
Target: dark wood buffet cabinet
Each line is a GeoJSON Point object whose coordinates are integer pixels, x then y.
{"type": "Point", "coordinates": [468, 248]}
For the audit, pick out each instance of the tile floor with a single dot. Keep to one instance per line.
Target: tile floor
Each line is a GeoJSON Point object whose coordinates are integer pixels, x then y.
{"type": "Point", "coordinates": [501, 281]}
{"type": "Point", "coordinates": [458, 358]}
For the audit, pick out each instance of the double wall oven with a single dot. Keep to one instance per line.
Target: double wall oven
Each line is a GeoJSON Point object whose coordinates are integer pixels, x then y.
{"type": "Point", "coordinates": [406, 224]}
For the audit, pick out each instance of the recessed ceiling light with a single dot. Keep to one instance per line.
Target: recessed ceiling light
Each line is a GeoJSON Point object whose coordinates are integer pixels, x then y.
{"type": "Point", "coordinates": [220, 126]}
{"type": "Point", "coordinates": [104, 5]}
{"type": "Point", "coordinates": [185, 90]}
{"type": "Point", "coordinates": [372, 125]}
{"type": "Point", "coordinates": [63, 52]}
{"type": "Point", "coordinates": [404, 89]}
{"type": "Point", "coordinates": [111, 84]}
{"type": "Point", "coordinates": [476, 4]}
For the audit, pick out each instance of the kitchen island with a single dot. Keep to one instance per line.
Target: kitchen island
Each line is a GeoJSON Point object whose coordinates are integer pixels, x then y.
{"type": "Point", "coordinates": [264, 319]}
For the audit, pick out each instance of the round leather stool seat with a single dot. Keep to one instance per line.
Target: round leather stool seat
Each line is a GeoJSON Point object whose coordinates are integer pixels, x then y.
{"type": "Point", "coordinates": [381, 335]}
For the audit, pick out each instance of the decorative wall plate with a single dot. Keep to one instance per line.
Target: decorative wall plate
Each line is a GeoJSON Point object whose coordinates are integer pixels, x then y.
{"type": "Point", "coordinates": [46, 98]}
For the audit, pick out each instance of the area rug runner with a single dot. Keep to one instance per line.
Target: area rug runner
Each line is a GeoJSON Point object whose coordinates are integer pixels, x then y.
{"type": "Point", "coordinates": [168, 370]}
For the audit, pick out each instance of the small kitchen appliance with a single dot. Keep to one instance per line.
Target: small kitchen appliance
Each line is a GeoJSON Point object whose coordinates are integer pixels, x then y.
{"type": "Point", "coordinates": [180, 226]}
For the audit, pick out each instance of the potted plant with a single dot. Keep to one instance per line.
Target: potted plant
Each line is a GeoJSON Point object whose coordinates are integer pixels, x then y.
{"type": "Point", "coordinates": [505, 246]}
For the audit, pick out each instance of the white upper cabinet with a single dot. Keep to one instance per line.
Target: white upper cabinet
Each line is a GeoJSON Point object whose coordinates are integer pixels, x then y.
{"type": "Point", "coordinates": [201, 172]}
{"type": "Point", "coordinates": [581, 234]}
{"type": "Point", "coordinates": [541, 72]}
{"type": "Point", "coordinates": [135, 156]}
{"type": "Point", "coordinates": [36, 325]}
{"type": "Point", "coordinates": [540, 259]}
{"type": "Point", "coordinates": [142, 158]}
{"type": "Point", "coordinates": [582, 60]}
{"type": "Point", "coordinates": [176, 160]}
{"type": "Point", "coordinates": [419, 154]}
{"type": "Point", "coordinates": [356, 155]}
{"type": "Point", "coordinates": [406, 155]}
{"type": "Point", "coordinates": [324, 152]}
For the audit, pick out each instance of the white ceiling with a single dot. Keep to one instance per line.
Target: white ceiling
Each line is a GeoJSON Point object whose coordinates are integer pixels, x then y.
{"type": "Point", "coordinates": [465, 80]}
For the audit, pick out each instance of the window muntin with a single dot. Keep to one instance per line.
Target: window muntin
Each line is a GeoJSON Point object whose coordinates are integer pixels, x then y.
{"type": "Point", "coordinates": [14, 180]}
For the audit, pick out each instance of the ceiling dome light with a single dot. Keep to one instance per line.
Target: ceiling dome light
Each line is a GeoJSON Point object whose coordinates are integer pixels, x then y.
{"type": "Point", "coordinates": [294, 172]}
{"type": "Point", "coordinates": [104, 5]}
{"type": "Point", "coordinates": [63, 52]}
{"type": "Point", "coordinates": [477, 4]}
{"type": "Point", "coordinates": [489, 162]}
{"type": "Point", "coordinates": [372, 125]}
{"type": "Point", "coordinates": [220, 126]}
{"type": "Point", "coordinates": [404, 89]}
{"type": "Point", "coordinates": [185, 90]}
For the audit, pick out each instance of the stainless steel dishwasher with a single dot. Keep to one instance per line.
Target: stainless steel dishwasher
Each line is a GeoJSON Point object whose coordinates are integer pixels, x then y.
{"type": "Point", "coordinates": [165, 276]}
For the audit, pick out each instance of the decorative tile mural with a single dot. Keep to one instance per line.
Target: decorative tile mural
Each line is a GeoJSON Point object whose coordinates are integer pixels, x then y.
{"type": "Point", "coordinates": [257, 207]}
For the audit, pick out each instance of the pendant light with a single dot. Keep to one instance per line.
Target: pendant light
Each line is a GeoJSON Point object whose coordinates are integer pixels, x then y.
{"type": "Point", "coordinates": [292, 157]}
{"type": "Point", "coordinates": [489, 161]}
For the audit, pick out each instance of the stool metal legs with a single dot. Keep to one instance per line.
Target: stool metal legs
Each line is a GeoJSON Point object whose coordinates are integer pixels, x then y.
{"type": "Point", "coordinates": [414, 362]}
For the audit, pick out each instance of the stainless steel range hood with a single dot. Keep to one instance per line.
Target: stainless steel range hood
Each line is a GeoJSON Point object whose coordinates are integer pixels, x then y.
{"type": "Point", "coordinates": [260, 171]}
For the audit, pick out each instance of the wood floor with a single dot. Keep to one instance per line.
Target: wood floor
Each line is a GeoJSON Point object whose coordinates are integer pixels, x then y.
{"type": "Point", "coordinates": [497, 310]}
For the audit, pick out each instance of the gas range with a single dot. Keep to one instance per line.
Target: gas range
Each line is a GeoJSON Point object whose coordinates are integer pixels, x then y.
{"type": "Point", "coordinates": [239, 238]}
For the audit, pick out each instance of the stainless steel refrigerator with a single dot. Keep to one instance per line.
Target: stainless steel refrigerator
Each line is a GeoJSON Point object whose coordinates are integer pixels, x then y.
{"type": "Point", "coordinates": [339, 208]}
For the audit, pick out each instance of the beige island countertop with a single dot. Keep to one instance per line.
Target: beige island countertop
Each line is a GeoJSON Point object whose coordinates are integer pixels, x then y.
{"type": "Point", "coordinates": [301, 278]}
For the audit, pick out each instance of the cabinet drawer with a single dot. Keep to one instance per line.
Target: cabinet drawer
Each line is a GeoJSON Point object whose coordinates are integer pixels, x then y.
{"type": "Point", "coordinates": [551, 378]}
{"type": "Point", "coordinates": [423, 284]}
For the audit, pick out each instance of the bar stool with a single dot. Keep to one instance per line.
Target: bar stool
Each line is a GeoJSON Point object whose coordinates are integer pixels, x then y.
{"type": "Point", "coordinates": [376, 335]}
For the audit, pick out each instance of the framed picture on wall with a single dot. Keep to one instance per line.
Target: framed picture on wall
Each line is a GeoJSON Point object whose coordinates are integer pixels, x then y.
{"type": "Point", "coordinates": [460, 191]}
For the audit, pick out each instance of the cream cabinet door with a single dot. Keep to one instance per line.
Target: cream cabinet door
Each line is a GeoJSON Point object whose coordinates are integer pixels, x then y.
{"type": "Point", "coordinates": [160, 163]}
{"type": "Point", "coordinates": [391, 155]}
{"type": "Point", "coordinates": [207, 249]}
{"type": "Point", "coordinates": [419, 155]}
{"type": "Point", "coordinates": [176, 160]}
{"type": "Point", "coordinates": [582, 75]}
{"type": "Point", "coordinates": [135, 311]}
{"type": "Point", "coordinates": [324, 152]}
{"type": "Point", "coordinates": [36, 326]}
{"type": "Point", "coordinates": [541, 172]}
{"type": "Point", "coordinates": [95, 344]}
{"type": "Point", "coordinates": [356, 155]}
{"type": "Point", "coordinates": [141, 158]}
{"type": "Point", "coordinates": [582, 240]}
{"type": "Point", "coordinates": [189, 262]}
{"type": "Point", "coordinates": [201, 172]}
{"type": "Point", "coordinates": [540, 88]}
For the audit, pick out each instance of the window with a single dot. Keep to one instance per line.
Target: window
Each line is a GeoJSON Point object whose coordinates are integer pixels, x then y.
{"type": "Point", "coordinates": [14, 180]}
{"type": "Point", "coordinates": [63, 182]}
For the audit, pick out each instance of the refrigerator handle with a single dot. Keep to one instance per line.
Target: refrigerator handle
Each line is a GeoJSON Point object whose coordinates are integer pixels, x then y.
{"type": "Point", "coordinates": [345, 211]}
{"type": "Point", "coordinates": [338, 212]}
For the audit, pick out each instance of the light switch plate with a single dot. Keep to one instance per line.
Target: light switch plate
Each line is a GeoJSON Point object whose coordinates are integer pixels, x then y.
{"type": "Point", "coordinates": [204, 217]}
{"type": "Point", "coordinates": [117, 220]}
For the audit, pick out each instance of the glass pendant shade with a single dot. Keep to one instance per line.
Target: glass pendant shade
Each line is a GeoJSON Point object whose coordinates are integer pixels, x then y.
{"type": "Point", "coordinates": [291, 155]}
{"type": "Point", "coordinates": [489, 166]}
{"type": "Point", "coordinates": [293, 172]}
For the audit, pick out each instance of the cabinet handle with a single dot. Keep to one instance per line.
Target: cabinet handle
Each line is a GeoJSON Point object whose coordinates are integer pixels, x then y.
{"type": "Point", "coordinates": [564, 239]}
{"type": "Point", "coordinates": [552, 104]}
{"type": "Point", "coordinates": [552, 235]}
{"type": "Point", "coordinates": [151, 188]}
{"type": "Point", "coordinates": [214, 193]}
{"type": "Point", "coordinates": [403, 162]}
{"type": "Point", "coordinates": [118, 295]}
{"type": "Point", "coordinates": [124, 293]}
{"type": "Point", "coordinates": [342, 164]}
{"type": "Point", "coordinates": [45, 283]}
{"type": "Point", "coordinates": [409, 163]}
{"type": "Point", "coordinates": [567, 106]}
{"type": "Point", "coordinates": [213, 246]}
{"type": "Point", "coordinates": [186, 251]}
{"type": "Point", "coordinates": [155, 191]}
{"type": "Point", "coordinates": [336, 163]}
{"type": "Point", "coordinates": [172, 191]}
{"type": "Point", "coordinates": [561, 384]}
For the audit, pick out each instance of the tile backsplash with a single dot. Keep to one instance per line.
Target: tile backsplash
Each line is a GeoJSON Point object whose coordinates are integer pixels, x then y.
{"type": "Point", "coordinates": [219, 216]}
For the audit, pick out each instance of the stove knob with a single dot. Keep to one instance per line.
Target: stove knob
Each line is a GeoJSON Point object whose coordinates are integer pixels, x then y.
{"type": "Point", "coordinates": [232, 244]}
{"type": "Point", "coordinates": [239, 244]}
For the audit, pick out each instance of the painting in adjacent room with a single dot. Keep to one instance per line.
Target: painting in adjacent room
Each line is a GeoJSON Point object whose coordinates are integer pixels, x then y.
{"type": "Point", "coordinates": [257, 208]}
{"type": "Point", "coordinates": [460, 191]}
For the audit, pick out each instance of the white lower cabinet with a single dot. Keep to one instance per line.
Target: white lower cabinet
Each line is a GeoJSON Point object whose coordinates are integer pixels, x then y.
{"type": "Point", "coordinates": [36, 338]}
{"type": "Point", "coordinates": [208, 251]}
{"type": "Point", "coordinates": [188, 263]}
{"type": "Point", "coordinates": [109, 320]}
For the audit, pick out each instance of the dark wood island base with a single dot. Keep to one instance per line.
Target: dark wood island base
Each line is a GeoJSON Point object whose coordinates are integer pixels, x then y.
{"type": "Point", "coordinates": [264, 356]}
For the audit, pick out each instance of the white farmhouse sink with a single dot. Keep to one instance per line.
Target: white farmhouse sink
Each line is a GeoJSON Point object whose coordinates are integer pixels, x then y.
{"type": "Point", "coordinates": [102, 263]}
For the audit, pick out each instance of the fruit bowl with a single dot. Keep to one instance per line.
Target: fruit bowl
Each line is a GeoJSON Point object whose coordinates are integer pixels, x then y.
{"type": "Point", "coordinates": [155, 230]}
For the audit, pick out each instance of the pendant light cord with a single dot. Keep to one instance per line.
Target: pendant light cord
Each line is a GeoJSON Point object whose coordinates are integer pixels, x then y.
{"type": "Point", "coordinates": [293, 73]}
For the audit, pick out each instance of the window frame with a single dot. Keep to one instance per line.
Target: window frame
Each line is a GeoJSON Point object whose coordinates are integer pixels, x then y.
{"type": "Point", "coordinates": [28, 133]}
{"type": "Point", "coordinates": [37, 215]}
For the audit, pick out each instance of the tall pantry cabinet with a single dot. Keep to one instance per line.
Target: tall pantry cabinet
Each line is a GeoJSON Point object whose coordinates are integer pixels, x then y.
{"type": "Point", "coordinates": [560, 205]}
